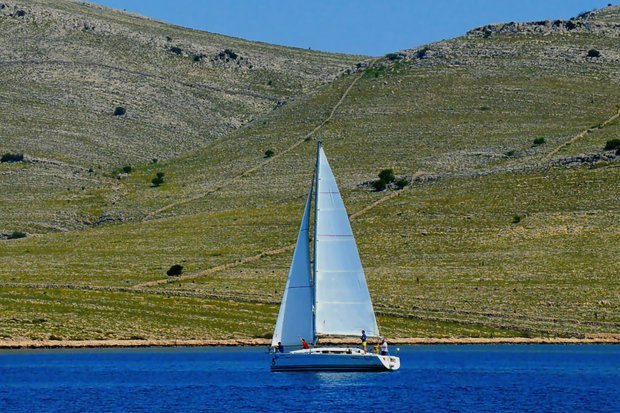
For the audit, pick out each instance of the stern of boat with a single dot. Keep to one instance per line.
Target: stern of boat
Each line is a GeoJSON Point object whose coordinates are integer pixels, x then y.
{"type": "Point", "coordinates": [391, 363]}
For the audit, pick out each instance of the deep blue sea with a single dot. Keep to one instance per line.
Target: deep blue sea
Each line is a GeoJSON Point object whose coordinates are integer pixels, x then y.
{"type": "Point", "coordinates": [489, 378]}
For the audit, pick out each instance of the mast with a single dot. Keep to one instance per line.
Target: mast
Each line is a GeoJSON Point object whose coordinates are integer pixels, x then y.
{"type": "Point", "coordinates": [314, 239]}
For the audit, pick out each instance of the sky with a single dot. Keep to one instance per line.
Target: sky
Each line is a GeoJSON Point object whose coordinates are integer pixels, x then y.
{"type": "Point", "coordinates": [367, 27]}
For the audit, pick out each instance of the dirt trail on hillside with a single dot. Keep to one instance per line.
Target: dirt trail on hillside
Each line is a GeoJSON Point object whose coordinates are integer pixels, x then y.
{"type": "Point", "coordinates": [247, 172]}
{"type": "Point", "coordinates": [262, 342]}
{"type": "Point", "coordinates": [266, 253]}
{"type": "Point", "coordinates": [581, 135]}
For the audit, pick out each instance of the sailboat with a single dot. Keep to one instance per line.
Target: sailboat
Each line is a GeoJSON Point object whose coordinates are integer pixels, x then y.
{"type": "Point", "coordinates": [326, 296]}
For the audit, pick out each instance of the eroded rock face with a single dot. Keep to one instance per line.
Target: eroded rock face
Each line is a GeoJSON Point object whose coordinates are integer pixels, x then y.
{"type": "Point", "coordinates": [605, 21]}
{"type": "Point", "coordinates": [230, 58]}
{"type": "Point", "coordinates": [587, 158]}
{"type": "Point", "coordinates": [546, 27]}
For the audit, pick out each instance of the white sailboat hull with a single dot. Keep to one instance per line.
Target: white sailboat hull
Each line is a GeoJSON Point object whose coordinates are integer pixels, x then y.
{"type": "Point", "coordinates": [333, 359]}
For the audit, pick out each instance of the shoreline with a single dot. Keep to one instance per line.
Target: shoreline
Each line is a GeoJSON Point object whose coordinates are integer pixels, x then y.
{"type": "Point", "coordinates": [262, 342]}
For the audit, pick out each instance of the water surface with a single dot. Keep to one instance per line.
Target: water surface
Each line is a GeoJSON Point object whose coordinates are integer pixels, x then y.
{"type": "Point", "coordinates": [473, 378]}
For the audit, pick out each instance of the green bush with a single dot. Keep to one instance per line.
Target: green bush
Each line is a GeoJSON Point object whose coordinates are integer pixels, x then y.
{"type": "Point", "coordinates": [269, 153]}
{"type": "Point", "coordinates": [127, 169]}
{"type": "Point", "coordinates": [401, 183]}
{"type": "Point", "coordinates": [176, 50]}
{"type": "Point", "coordinates": [421, 54]}
{"type": "Point", "coordinates": [12, 157]}
{"type": "Point", "coordinates": [175, 270]}
{"type": "Point", "coordinates": [231, 54]}
{"type": "Point", "coordinates": [120, 111]}
{"type": "Point", "coordinates": [378, 185]}
{"type": "Point", "coordinates": [393, 56]}
{"type": "Point", "coordinates": [159, 179]}
{"type": "Point", "coordinates": [539, 141]}
{"type": "Point", "coordinates": [17, 234]}
{"type": "Point", "coordinates": [594, 53]}
{"type": "Point", "coordinates": [516, 219]}
{"type": "Point", "coordinates": [387, 176]}
{"type": "Point", "coordinates": [373, 72]}
{"type": "Point", "coordinates": [612, 144]}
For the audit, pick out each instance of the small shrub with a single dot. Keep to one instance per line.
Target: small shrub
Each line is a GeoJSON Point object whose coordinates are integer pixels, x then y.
{"type": "Point", "coordinates": [231, 54]}
{"type": "Point", "coordinates": [612, 144]}
{"type": "Point", "coordinates": [421, 54]}
{"type": "Point", "coordinates": [510, 153]}
{"type": "Point", "coordinates": [387, 176]}
{"type": "Point", "coordinates": [378, 185]}
{"type": "Point", "coordinates": [393, 56]}
{"type": "Point", "coordinates": [127, 169]}
{"type": "Point", "coordinates": [516, 219]}
{"type": "Point", "coordinates": [120, 111]}
{"type": "Point", "coordinates": [159, 179]}
{"type": "Point", "coordinates": [594, 53]}
{"type": "Point", "coordinates": [175, 270]}
{"type": "Point", "coordinates": [12, 157]}
{"type": "Point", "coordinates": [539, 141]}
{"type": "Point", "coordinates": [374, 72]}
{"type": "Point", "coordinates": [570, 25]}
{"type": "Point", "coordinates": [401, 183]}
{"type": "Point", "coordinates": [154, 160]}
{"type": "Point", "coordinates": [17, 235]}
{"type": "Point", "coordinates": [197, 57]}
{"type": "Point", "coordinates": [176, 50]}
{"type": "Point", "coordinates": [269, 153]}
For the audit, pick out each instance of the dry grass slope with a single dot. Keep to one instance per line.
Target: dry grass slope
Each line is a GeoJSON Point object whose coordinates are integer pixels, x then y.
{"type": "Point", "coordinates": [498, 237]}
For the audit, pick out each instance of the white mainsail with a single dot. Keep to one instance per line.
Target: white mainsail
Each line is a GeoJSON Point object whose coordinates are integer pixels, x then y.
{"type": "Point", "coordinates": [295, 316]}
{"type": "Point", "coordinates": [342, 301]}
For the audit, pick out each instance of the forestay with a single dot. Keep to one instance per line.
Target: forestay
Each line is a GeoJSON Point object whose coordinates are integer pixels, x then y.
{"type": "Point", "coordinates": [342, 302]}
{"type": "Point", "coordinates": [295, 316]}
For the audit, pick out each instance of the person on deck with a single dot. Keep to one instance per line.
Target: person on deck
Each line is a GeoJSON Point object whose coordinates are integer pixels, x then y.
{"type": "Point", "coordinates": [364, 339]}
{"type": "Point", "coordinates": [304, 344]}
{"type": "Point", "coordinates": [384, 348]}
{"type": "Point", "coordinates": [280, 347]}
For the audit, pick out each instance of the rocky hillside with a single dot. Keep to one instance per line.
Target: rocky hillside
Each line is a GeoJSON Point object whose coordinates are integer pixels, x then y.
{"type": "Point", "coordinates": [504, 139]}
{"type": "Point", "coordinates": [68, 65]}
{"type": "Point", "coordinates": [87, 89]}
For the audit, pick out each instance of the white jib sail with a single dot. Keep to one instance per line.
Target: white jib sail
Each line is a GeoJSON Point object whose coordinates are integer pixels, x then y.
{"type": "Point", "coordinates": [295, 316]}
{"type": "Point", "coordinates": [342, 302]}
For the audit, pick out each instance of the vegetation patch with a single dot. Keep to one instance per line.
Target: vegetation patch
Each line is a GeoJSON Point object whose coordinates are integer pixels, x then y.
{"type": "Point", "coordinates": [159, 179]}
{"type": "Point", "coordinates": [12, 157]}
{"type": "Point", "coordinates": [17, 235]}
{"type": "Point", "coordinates": [374, 72]}
{"type": "Point", "coordinates": [175, 270]}
{"type": "Point", "coordinates": [120, 111]}
{"type": "Point", "coordinates": [612, 144]}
